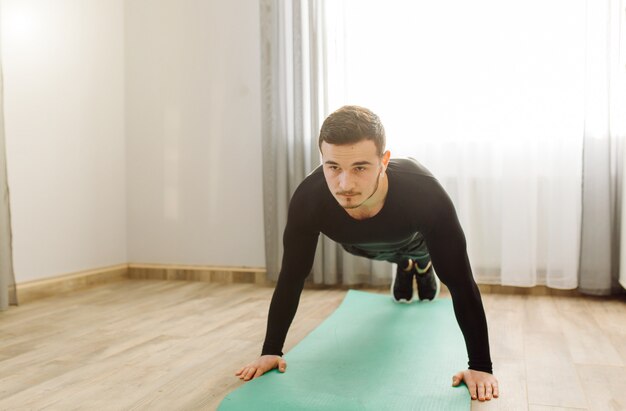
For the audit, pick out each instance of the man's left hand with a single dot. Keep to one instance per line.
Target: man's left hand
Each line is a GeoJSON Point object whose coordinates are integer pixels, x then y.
{"type": "Point", "coordinates": [481, 385]}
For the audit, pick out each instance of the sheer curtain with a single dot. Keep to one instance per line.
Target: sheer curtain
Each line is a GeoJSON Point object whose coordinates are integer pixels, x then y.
{"type": "Point", "coordinates": [495, 99]}
{"type": "Point", "coordinates": [302, 79]}
{"type": "Point", "coordinates": [7, 279]}
{"type": "Point", "coordinates": [293, 101]}
{"type": "Point", "coordinates": [489, 96]}
{"type": "Point", "coordinates": [604, 133]}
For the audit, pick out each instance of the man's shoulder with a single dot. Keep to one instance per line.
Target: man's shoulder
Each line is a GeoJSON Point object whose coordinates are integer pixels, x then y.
{"type": "Point", "coordinates": [409, 165]}
{"type": "Point", "coordinates": [307, 202]}
{"type": "Point", "coordinates": [313, 182]}
{"type": "Point", "coordinates": [410, 178]}
{"type": "Point", "coordinates": [312, 188]}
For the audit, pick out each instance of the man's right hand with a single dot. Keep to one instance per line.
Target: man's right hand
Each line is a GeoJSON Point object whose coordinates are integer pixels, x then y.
{"type": "Point", "coordinates": [260, 366]}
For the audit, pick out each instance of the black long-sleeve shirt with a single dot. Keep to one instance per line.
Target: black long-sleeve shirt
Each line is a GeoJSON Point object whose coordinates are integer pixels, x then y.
{"type": "Point", "coordinates": [415, 202]}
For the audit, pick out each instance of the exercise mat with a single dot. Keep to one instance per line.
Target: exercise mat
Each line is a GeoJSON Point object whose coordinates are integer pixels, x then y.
{"type": "Point", "coordinates": [370, 354]}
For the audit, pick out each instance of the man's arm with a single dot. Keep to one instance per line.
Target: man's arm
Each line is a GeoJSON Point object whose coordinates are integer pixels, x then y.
{"type": "Point", "coordinates": [297, 262]}
{"type": "Point", "coordinates": [299, 242]}
{"type": "Point", "coordinates": [448, 250]}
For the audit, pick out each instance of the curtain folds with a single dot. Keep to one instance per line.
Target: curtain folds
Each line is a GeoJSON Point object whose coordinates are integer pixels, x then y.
{"type": "Point", "coordinates": [290, 111]}
{"type": "Point", "coordinates": [300, 89]}
{"type": "Point", "coordinates": [7, 279]}
{"type": "Point", "coordinates": [526, 135]}
{"type": "Point", "coordinates": [604, 133]}
{"type": "Point", "coordinates": [622, 252]}
{"type": "Point", "coordinates": [495, 113]}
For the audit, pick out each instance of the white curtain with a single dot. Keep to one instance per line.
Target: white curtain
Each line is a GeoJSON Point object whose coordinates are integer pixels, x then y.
{"type": "Point", "coordinates": [604, 133]}
{"type": "Point", "coordinates": [302, 78]}
{"type": "Point", "coordinates": [496, 99]}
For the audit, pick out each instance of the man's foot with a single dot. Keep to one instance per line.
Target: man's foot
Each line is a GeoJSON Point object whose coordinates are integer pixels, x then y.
{"type": "Point", "coordinates": [428, 285]}
{"type": "Point", "coordinates": [402, 283]}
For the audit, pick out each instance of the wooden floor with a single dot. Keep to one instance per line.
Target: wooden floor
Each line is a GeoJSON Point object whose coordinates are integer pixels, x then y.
{"type": "Point", "coordinates": [167, 345]}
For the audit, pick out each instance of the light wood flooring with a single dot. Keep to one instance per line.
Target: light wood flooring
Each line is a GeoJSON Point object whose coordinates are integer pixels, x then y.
{"type": "Point", "coordinates": [174, 345]}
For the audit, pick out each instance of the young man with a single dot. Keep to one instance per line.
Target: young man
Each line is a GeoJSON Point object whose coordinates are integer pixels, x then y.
{"type": "Point", "coordinates": [383, 209]}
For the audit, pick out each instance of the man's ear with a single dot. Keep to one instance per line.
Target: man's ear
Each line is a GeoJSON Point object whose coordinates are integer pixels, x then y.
{"type": "Point", "coordinates": [386, 157]}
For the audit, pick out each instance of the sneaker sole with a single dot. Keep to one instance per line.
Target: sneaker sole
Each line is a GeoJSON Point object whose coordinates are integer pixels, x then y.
{"type": "Point", "coordinates": [402, 300]}
{"type": "Point", "coordinates": [438, 288]}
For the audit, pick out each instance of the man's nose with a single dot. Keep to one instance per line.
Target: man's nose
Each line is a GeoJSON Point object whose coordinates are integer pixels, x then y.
{"type": "Point", "coordinates": [345, 182]}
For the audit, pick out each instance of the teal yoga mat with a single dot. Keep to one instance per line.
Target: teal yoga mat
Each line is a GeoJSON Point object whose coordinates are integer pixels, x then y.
{"type": "Point", "coordinates": [370, 354]}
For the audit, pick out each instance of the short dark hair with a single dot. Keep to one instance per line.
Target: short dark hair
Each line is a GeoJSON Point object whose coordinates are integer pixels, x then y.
{"type": "Point", "coordinates": [351, 124]}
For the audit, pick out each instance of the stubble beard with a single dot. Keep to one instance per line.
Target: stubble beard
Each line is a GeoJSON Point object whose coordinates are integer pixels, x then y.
{"type": "Point", "coordinates": [352, 207]}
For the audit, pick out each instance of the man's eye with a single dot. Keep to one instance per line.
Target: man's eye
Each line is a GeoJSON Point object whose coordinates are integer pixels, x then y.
{"type": "Point", "coordinates": [360, 169]}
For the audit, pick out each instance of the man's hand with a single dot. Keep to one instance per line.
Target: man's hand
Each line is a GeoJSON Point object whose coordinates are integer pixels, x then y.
{"type": "Point", "coordinates": [481, 385]}
{"type": "Point", "coordinates": [260, 366]}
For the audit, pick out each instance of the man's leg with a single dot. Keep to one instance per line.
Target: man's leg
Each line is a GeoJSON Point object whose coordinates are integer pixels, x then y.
{"type": "Point", "coordinates": [402, 282]}
{"type": "Point", "coordinates": [428, 284]}
{"type": "Point", "coordinates": [411, 261]}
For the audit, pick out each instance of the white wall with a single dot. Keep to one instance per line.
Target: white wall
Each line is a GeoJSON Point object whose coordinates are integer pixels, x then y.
{"type": "Point", "coordinates": [64, 111]}
{"type": "Point", "coordinates": [194, 132]}
{"type": "Point", "coordinates": [133, 133]}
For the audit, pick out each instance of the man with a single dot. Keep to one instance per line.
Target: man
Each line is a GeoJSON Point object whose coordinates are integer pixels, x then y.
{"type": "Point", "coordinates": [383, 209]}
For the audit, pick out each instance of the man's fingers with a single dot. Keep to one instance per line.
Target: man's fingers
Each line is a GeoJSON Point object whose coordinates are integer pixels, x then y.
{"type": "Point", "coordinates": [282, 365]}
{"type": "Point", "coordinates": [258, 373]}
{"type": "Point", "coordinates": [240, 371]}
{"type": "Point", "coordinates": [250, 373]}
{"type": "Point", "coordinates": [481, 391]}
{"type": "Point", "coordinates": [471, 384]}
{"type": "Point", "coordinates": [481, 385]}
{"type": "Point", "coordinates": [472, 388]}
{"type": "Point", "coordinates": [488, 392]}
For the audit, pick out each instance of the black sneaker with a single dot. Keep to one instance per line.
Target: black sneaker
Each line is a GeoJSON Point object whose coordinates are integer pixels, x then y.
{"type": "Point", "coordinates": [402, 285]}
{"type": "Point", "coordinates": [428, 285]}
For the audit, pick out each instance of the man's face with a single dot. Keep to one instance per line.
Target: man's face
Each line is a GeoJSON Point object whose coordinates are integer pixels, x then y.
{"type": "Point", "coordinates": [353, 171]}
